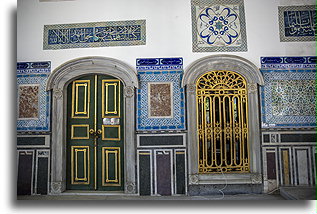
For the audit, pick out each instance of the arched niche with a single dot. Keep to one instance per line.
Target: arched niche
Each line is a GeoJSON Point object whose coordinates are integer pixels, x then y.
{"type": "Point", "coordinates": [253, 78]}
{"type": "Point", "coordinates": [57, 83]}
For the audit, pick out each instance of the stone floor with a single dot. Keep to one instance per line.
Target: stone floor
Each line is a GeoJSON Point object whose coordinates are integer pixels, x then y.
{"type": "Point", "coordinates": [298, 193]}
{"type": "Point", "coordinates": [118, 197]}
{"type": "Point", "coordinates": [285, 193]}
{"type": "Point", "coordinates": [132, 197]}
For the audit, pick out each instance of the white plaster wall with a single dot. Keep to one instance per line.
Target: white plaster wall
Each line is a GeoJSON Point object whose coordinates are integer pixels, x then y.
{"type": "Point", "coordinates": [168, 29]}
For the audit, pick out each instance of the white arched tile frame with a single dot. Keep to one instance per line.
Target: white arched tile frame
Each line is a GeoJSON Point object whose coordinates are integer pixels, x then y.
{"type": "Point", "coordinates": [254, 78]}
{"type": "Point", "coordinates": [58, 81]}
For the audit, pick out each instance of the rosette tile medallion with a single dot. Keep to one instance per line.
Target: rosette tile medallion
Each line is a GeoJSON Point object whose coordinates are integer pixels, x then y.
{"type": "Point", "coordinates": [218, 25]}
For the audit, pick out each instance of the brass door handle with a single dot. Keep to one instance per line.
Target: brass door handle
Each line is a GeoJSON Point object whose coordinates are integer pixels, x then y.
{"type": "Point", "coordinates": [92, 132]}
{"type": "Point", "coordinates": [95, 133]}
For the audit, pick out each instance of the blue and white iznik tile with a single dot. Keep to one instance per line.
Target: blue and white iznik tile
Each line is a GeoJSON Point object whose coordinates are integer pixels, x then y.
{"type": "Point", "coordinates": [33, 100]}
{"type": "Point", "coordinates": [218, 25]}
{"type": "Point", "coordinates": [297, 23]}
{"type": "Point", "coordinates": [164, 75]}
{"type": "Point", "coordinates": [288, 98]}
{"type": "Point", "coordinates": [94, 34]}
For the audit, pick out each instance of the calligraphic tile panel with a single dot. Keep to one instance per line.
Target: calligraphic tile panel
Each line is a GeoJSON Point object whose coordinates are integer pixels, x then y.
{"type": "Point", "coordinates": [33, 67]}
{"type": "Point", "coordinates": [297, 23]}
{"type": "Point", "coordinates": [94, 34]}
{"type": "Point", "coordinates": [288, 98]}
{"type": "Point", "coordinates": [288, 62]}
{"type": "Point", "coordinates": [218, 25]}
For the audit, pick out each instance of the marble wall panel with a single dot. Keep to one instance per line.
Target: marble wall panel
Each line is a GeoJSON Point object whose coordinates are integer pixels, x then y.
{"type": "Point", "coordinates": [28, 101]}
{"type": "Point", "coordinates": [293, 160]}
{"type": "Point", "coordinates": [160, 100]}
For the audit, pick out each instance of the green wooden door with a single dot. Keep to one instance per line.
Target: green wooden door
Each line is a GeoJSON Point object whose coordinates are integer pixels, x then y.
{"type": "Point", "coordinates": [95, 134]}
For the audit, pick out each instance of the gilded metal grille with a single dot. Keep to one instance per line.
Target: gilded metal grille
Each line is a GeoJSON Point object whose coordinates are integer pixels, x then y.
{"type": "Point", "coordinates": [222, 121]}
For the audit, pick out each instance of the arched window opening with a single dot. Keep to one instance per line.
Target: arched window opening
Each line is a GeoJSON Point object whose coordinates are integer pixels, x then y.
{"type": "Point", "coordinates": [222, 123]}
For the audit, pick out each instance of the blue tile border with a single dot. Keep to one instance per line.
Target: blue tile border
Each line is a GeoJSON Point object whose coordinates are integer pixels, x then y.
{"type": "Point", "coordinates": [283, 62]}
{"type": "Point", "coordinates": [296, 23]}
{"type": "Point", "coordinates": [33, 67]}
{"type": "Point", "coordinates": [150, 71]}
{"type": "Point", "coordinates": [94, 34]}
{"type": "Point", "coordinates": [30, 73]}
{"type": "Point", "coordinates": [288, 98]}
{"type": "Point", "coordinates": [159, 63]}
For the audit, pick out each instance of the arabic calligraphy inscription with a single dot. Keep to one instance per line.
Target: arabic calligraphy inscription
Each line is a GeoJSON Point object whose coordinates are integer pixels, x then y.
{"type": "Point", "coordinates": [99, 34]}
{"type": "Point", "coordinates": [297, 23]}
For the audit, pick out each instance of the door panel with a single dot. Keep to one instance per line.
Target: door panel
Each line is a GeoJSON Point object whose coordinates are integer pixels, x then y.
{"type": "Point", "coordinates": [110, 98]}
{"type": "Point", "coordinates": [81, 98]}
{"type": "Point", "coordinates": [95, 134]}
{"type": "Point", "coordinates": [110, 143]}
{"type": "Point", "coordinates": [80, 164]}
{"type": "Point", "coordinates": [111, 175]}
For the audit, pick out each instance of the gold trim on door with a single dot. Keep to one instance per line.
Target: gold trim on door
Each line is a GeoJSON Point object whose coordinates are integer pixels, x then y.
{"type": "Point", "coordinates": [76, 113]}
{"type": "Point", "coordinates": [106, 181]}
{"type": "Point", "coordinates": [94, 134]}
{"type": "Point", "coordinates": [104, 131]}
{"type": "Point", "coordinates": [73, 133]}
{"type": "Point", "coordinates": [106, 111]}
{"type": "Point", "coordinates": [74, 165]}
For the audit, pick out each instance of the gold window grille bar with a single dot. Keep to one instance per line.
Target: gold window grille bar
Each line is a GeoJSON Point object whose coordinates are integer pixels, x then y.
{"type": "Point", "coordinates": [222, 123]}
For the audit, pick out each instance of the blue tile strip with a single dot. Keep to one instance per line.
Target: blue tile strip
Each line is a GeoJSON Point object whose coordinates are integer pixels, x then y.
{"type": "Point", "coordinates": [160, 70]}
{"type": "Point", "coordinates": [288, 62]}
{"type": "Point", "coordinates": [33, 67]}
{"type": "Point", "coordinates": [288, 98]}
{"type": "Point", "coordinates": [35, 73]}
{"type": "Point", "coordinates": [94, 34]}
{"type": "Point", "coordinates": [159, 63]}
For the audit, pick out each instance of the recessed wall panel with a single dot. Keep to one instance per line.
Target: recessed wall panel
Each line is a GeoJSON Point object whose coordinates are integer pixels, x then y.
{"type": "Point", "coordinates": [25, 172]}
